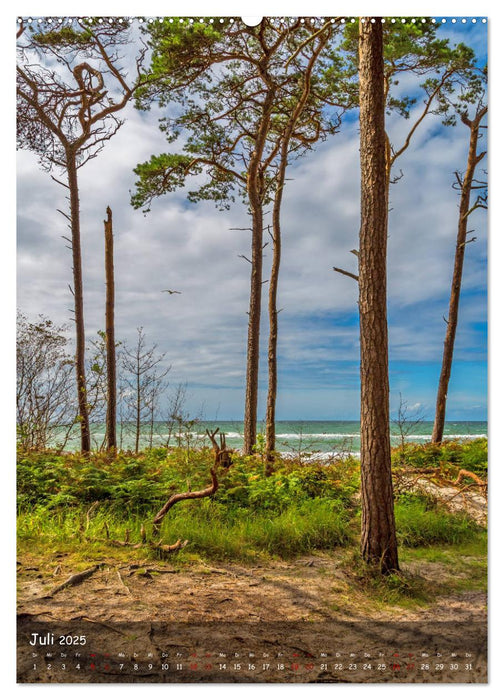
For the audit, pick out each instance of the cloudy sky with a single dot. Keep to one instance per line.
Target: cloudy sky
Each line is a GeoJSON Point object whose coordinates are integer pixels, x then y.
{"type": "Point", "coordinates": [191, 248]}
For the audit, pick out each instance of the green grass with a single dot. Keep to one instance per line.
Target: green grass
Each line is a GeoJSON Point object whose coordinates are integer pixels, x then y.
{"type": "Point", "coordinates": [211, 530]}
{"type": "Point", "coordinates": [419, 523]}
{"type": "Point", "coordinates": [65, 501]}
{"type": "Point", "coordinates": [217, 532]}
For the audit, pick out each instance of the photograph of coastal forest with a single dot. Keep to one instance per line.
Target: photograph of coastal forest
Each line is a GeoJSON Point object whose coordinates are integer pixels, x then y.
{"type": "Point", "coordinates": [251, 400]}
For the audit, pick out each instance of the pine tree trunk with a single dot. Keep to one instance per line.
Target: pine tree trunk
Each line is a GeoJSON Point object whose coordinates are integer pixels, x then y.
{"type": "Point", "coordinates": [80, 341]}
{"type": "Point", "coordinates": [252, 377]}
{"type": "Point", "coordinates": [255, 191]}
{"type": "Point", "coordinates": [270, 437]}
{"type": "Point", "coordinates": [378, 538]}
{"type": "Point", "coordinates": [465, 201]}
{"type": "Point", "coordinates": [110, 334]}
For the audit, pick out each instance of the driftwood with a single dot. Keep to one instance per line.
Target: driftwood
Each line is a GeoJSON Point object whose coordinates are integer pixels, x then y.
{"type": "Point", "coordinates": [222, 459]}
{"type": "Point", "coordinates": [169, 548]}
{"type": "Point", "coordinates": [76, 579]}
{"type": "Point", "coordinates": [134, 568]}
{"type": "Point", "coordinates": [430, 481]}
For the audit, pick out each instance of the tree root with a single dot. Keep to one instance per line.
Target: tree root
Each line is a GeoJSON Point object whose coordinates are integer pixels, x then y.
{"type": "Point", "coordinates": [76, 579]}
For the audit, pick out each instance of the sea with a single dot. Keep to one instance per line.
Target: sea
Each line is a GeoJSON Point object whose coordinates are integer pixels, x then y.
{"type": "Point", "coordinates": [322, 438]}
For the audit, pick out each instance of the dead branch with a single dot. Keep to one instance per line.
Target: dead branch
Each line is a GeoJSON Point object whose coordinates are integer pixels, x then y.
{"type": "Point", "coordinates": [222, 460]}
{"type": "Point", "coordinates": [122, 582]}
{"type": "Point", "coordinates": [345, 272]}
{"type": "Point", "coordinates": [170, 548]}
{"type": "Point", "coordinates": [470, 240]}
{"type": "Point", "coordinates": [470, 475]}
{"type": "Point", "coordinates": [459, 492]}
{"type": "Point", "coordinates": [156, 571]}
{"type": "Point", "coordinates": [76, 579]}
{"type": "Point", "coordinates": [177, 497]}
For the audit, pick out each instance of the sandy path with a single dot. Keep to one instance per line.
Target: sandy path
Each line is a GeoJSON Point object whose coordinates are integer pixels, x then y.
{"type": "Point", "coordinates": [218, 623]}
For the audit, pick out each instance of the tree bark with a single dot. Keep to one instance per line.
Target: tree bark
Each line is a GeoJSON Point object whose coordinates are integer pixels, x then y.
{"type": "Point", "coordinates": [378, 537]}
{"type": "Point", "coordinates": [80, 341]}
{"type": "Point", "coordinates": [270, 437]}
{"type": "Point", "coordinates": [473, 158]}
{"type": "Point", "coordinates": [110, 334]}
{"type": "Point", "coordinates": [252, 377]}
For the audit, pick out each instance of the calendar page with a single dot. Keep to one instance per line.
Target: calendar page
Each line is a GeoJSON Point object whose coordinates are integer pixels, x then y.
{"type": "Point", "coordinates": [251, 349]}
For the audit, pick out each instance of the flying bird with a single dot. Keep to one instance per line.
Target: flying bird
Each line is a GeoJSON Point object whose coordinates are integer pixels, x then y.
{"type": "Point", "coordinates": [171, 291]}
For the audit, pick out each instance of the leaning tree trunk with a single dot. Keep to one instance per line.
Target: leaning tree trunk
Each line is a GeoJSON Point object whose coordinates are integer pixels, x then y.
{"type": "Point", "coordinates": [473, 158]}
{"type": "Point", "coordinates": [110, 334]}
{"type": "Point", "coordinates": [378, 538]}
{"type": "Point", "coordinates": [80, 341]}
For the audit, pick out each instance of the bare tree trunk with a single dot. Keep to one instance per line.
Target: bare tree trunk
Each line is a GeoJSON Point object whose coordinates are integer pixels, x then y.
{"type": "Point", "coordinates": [80, 341]}
{"type": "Point", "coordinates": [272, 342]}
{"type": "Point", "coordinates": [110, 334]}
{"type": "Point", "coordinates": [138, 407]}
{"type": "Point", "coordinates": [252, 377]}
{"type": "Point", "coordinates": [151, 420]}
{"type": "Point", "coordinates": [273, 320]}
{"type": "Point", "coordinates": [275, 264]}
{"type": "Point", "coordinates": [255, 190]}
{"type": "Point", "coordinates": [378, 538]}
{"type": "Point", "coordinates": [473, 158]}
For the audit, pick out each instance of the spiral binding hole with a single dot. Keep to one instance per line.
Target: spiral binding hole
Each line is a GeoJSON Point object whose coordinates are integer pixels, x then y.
{"type": "Point", "coordinates": [247, 20]}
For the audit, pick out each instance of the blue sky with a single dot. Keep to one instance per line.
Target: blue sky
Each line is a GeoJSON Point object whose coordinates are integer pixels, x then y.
{"type": "Point", "coordinates": [191, 248]}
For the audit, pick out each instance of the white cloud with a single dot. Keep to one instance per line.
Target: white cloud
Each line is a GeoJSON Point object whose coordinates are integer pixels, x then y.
{"type": "Point", "coordinates": [191, 248]}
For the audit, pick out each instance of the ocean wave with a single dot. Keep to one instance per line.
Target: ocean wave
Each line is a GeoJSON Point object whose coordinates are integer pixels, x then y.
{"type": "Point", "coordinates": [447, 436]}
{"type": "Point", "coordinates": [327, 436]}
{"type": "Point", "coordinates": [318, 456]}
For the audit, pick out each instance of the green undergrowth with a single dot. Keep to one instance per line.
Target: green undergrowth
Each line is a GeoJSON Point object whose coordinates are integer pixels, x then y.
{"type": "Point", "coordinates": [211, 530]}
{"type": "Point", "coordinates": [70, 503]}
{"type": "Point", "coordinates": [450, 456]}
{"type": "Point", "coordinates": [421, 522]}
